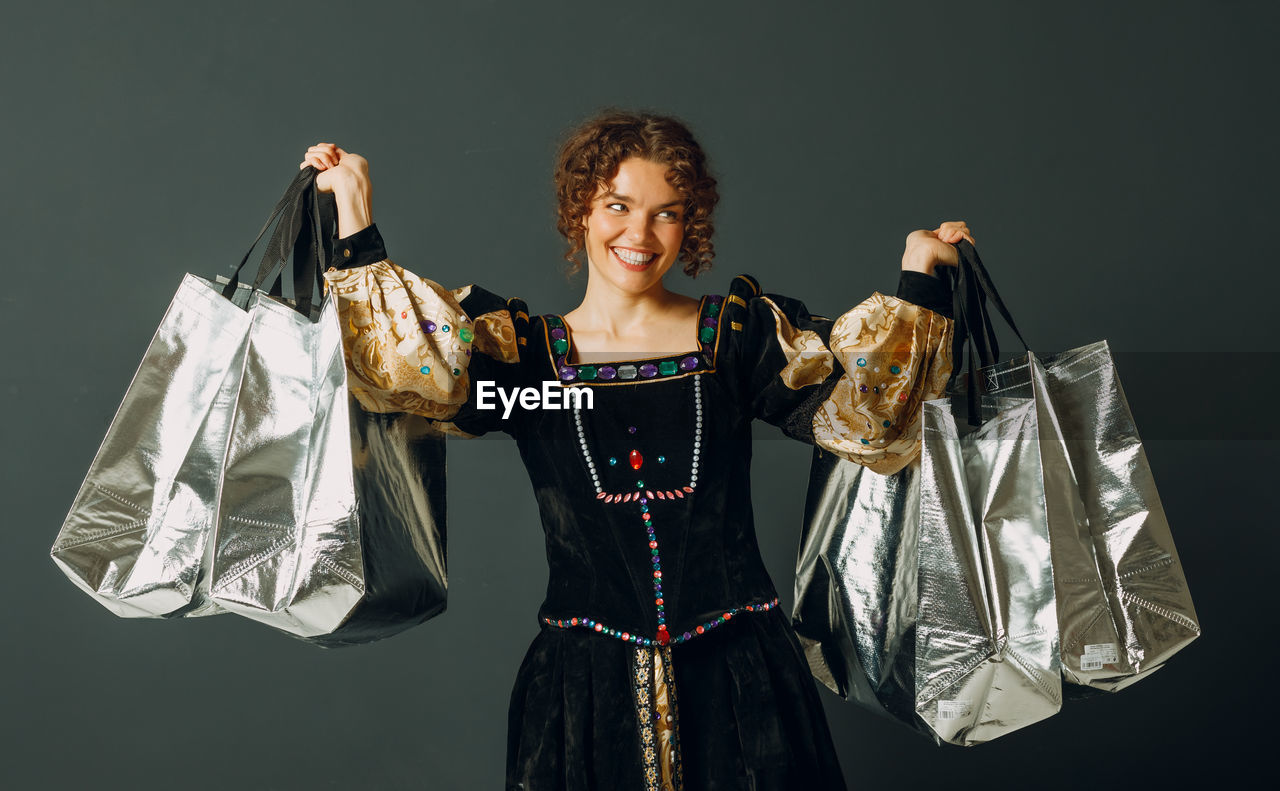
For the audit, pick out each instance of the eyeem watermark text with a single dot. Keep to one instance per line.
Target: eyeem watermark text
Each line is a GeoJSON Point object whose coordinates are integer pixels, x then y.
{"type": "Point", "coordinates": [550, 396]}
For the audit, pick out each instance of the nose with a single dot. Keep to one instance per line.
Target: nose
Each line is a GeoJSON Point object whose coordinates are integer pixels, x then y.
{"type": "Point", "coordinates": [637, 228]}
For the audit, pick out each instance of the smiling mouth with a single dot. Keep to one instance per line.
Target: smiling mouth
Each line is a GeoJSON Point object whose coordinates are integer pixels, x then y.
{"type": "Point", "coordinates": [632, 259]}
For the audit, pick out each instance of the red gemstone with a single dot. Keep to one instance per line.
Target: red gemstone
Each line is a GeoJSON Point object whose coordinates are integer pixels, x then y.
{"type": "Point", "coordinates": [648, 494]}
{"type": "Point", "coordinates": [574, 621]}
{"type": "Point", "coordinates": [601, 496]}
{"type": "Point", "coordinates": [661, 496]}
{"type": "Point", "coordinates": [636, 459]}
{"type": "Point", "coordinates": [727, 616]}
{"type": "Point", "coordinates": [664, 636]}
{"type": "Point", "coordinates": [653, 545]}
{"type": "Point", "coordinates": [700, 630]}
{"type": "Point", "coordinates": [657, 601]}
{"type": "Point", "coordinates": [689, 489]}
{"type": "Point", "coordinates": [679, 494]}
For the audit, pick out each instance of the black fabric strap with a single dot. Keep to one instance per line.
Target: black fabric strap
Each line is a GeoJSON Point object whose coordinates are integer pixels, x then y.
{"type": "Point", "coordinates": [300, 230]}
{"type": "Point", "coordinates": [973, 328]}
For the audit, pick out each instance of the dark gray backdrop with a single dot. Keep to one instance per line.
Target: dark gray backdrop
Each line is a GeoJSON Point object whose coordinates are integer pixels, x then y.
{"type": "Point", "coordinates": [1115, 161]}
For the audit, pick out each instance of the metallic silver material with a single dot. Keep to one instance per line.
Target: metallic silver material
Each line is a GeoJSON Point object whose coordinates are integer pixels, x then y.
{"type": "Point", "coordinates": [332, 519]}
{"type": "Point", "coordinates": [240, 474]}
{"type": "Point", "coordinates": [136, 535]}
{"type": "Point", "coordinates": [986, 648]}
{"type": "Point", "coordinates": [907, 614]}
{"type": "Point", "coordinates": [855, 590]}
{"type": "Point", "coordinates": [1123, 603]}
{"type": "Point", "coordinates": [927, 595]}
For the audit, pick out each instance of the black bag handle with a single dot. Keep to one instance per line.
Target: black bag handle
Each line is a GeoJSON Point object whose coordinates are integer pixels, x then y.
{"type": "Point", "coordinates": [971, 288]}
{"type": "Point", "coordinates": [300, 229]}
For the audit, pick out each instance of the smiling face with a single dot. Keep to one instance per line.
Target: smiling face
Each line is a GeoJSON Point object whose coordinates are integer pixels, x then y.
{"type": "Point", "coordinates": [635, 227]}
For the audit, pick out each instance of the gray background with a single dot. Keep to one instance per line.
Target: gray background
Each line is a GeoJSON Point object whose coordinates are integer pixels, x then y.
{"type": "Point", "coordinates": [1115, 160]}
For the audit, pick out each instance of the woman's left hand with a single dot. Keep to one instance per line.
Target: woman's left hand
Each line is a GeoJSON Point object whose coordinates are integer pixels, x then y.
{"type": "Point", "coordinates": [928, 249]}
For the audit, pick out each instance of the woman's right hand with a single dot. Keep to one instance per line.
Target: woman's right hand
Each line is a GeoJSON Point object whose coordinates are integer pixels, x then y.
{"type": "Point", "coordinates": [346, 175]}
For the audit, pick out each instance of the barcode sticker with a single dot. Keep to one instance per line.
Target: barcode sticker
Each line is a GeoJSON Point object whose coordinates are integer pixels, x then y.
{"type": "Point", "coordinates": [1098, 654]}
{"type": "Point", "coordinates": [954, 709]}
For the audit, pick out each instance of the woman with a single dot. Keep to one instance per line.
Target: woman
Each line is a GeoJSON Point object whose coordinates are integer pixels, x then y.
{"type": "Point", "coordinates": [662, 662]}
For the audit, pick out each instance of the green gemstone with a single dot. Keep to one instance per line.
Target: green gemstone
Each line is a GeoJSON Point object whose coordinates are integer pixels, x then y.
{"type": "Point", "coordinates": [554, 321]}
{"type": "Point", "coordinates": [886, 424]}
{"type": "Point", "coordinates": [465, 334]}
{"type": "Point", "coordinates": [712, 308]}
{"type": "Point", "coordinates": [457, 372]}
{"type": "Point", "coordinates": [668, 367]}
{"type": "Point", "coordinates": [893, 369]}
{"type": "Point", "coordinates": [560, 345]}
{"type": "Point", "coordinates": [587, 372]}
{"type": "Point", "coordinates": [426, 369]}
{"type": "Point", "coordinates": [613, 460]}
{"type": "Point", "coordinates": [662, 459]}
{"type": "Point", "coordinates": [707, 334]}
{"type": "Point", "coordinates": [639, 484]}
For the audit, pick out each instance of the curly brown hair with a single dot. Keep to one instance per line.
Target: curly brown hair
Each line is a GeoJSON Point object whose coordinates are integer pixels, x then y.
{"type": "Point", "coordinates": [589, 160]}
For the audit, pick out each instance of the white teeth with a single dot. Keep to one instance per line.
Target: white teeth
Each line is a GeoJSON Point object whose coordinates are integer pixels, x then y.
{"type": "Point", "coordinates": [633, 257]}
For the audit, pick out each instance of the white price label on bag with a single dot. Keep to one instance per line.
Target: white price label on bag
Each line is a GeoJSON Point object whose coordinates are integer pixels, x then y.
{"type": "Point", "coordinates": [954, 709]}
{"type": "Point", "coordinates": [1098, 654]}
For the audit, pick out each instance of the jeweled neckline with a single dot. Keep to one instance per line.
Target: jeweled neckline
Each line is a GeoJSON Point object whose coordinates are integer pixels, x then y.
{"type": "Point", "coordinates": [560, 346]}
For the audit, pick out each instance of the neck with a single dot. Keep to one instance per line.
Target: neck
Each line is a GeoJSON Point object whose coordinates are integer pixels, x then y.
{"type": "Point", "coordinates": [607, 309]}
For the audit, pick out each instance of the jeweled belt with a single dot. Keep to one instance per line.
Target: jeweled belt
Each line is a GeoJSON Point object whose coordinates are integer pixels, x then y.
{"type": "Point", "coordinates": [663, 637]}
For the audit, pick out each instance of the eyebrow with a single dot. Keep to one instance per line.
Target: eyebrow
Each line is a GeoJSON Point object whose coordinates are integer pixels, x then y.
{"type": "Point", "coordinates": [629, 199]}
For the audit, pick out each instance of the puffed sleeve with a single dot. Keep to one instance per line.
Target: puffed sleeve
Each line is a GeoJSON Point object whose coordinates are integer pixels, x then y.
{"type": "Point", "coordinates": [853, 385]}
{"type": "Point", "coordinates": [412, 345]}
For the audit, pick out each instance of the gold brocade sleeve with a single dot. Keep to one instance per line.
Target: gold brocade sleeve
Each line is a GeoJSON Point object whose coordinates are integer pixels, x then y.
{"type": "Point", "coordinates": [894, 356]}
{"type": "Point", "coordinates": [853, 386]}
{"type": "Point", "coordinates": [408, 341]}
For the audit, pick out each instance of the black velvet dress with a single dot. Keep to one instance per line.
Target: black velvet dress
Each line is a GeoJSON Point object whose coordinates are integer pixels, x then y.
{"type": "Point", "coordinates": [663, 660]}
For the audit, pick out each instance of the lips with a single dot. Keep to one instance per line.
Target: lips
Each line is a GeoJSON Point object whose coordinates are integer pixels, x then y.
{"type": "Point", "coordinates": [633, 260]}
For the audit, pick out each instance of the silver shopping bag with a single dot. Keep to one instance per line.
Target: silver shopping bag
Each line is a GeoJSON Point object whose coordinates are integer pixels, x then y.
{"type": "Point", "coordinates": [986, 639]}
{"type": "Point", "coordinates": [1123, 603]}
{"type": "Point", "coordinates": [331, 526]}
{"type": "Point", "coordinates": [927, 595]}
{"type": "Point", "coordinates": [137, 535]}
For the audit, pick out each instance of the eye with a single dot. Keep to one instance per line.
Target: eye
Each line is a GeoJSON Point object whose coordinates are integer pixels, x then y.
{"type": "Point", "coordinates": [616, 206]}
{"type": "Point", "coordinates": [671, 215]}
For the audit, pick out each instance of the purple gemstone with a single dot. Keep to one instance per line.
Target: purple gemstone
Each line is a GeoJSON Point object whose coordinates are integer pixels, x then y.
{"type": "Point", "coordinates": [716, 298]}
{"type": "Point", "coordinates": [427, 326]}
{"type": "Point", "coordinates": [631, 429]}
{"type": "Point", "coordinates": [708, 322]}
{"type": "Point", "coordinates": [648, 370]}
{"type": "Point", "coordinates": [862, 388]}
{"type": "Point", "coordinates": [644, 501]}
{"type": "Point", "coordinates": [607, 372]}
{"type": "Point", "coordinates": [689, 363]}
{"type": "Point", "coordinates": [567, 373]}
{"type": "Point", "coordinates": [557, 333]}
{"type": "Point", "coordinates": [468, 352]}
{"type": "Point", "coordinates": [688, 636]}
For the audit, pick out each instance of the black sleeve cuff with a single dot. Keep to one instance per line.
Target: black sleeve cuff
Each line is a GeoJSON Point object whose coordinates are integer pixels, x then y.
{"type": "Point", "coordinates": [359, 249]}
{"type": "Point", "coordinates": [930, 292]}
